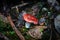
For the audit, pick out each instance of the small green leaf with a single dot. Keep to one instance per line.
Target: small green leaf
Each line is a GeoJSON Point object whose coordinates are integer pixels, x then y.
{"type": "Point", "coordinates": [12, 32]}
{"type": "Point", "coordinates": [41, 29]}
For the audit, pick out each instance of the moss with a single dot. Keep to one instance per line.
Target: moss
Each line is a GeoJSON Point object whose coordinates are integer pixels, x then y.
{"type": "Point", "coordinates": [6, 29]}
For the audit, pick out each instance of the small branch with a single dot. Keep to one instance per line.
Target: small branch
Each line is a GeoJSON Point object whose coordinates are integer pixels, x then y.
{"type": "Point", "coordinates": [15, 29]}
{"type": "Point", "coordinates": [20, 5]}
{"type": "Point", "coordinates": [3, 36]}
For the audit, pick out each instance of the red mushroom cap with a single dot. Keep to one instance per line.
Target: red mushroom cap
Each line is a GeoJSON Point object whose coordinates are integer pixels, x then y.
{"type": "Point", "coordinates": [29, 18]}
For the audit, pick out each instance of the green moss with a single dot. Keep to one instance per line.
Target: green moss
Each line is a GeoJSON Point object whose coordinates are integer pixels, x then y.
{"type": "Point", "coordinates": [6, 29]}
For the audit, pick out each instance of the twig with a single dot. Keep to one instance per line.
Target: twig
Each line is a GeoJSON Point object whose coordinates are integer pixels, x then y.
{"type": "Point", "coordinates": [51, 33]}
{"type": "Point", "coordinates": [15, 29]}
{"type": "Point", "coordinates": [19, 5]}
{"type": "Point", "coordinates": [3, 36]}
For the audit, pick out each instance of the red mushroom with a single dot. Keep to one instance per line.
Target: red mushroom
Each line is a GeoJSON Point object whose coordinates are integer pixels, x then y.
{"type": "Point", "coordinates": [29, 18]}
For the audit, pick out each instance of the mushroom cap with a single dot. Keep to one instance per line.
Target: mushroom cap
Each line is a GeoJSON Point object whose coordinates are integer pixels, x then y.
{"type": "Point", "coordinates": [31, 19]}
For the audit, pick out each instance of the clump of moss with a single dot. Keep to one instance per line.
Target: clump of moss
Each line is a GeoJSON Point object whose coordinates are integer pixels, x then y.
{"type": "Point", "coordinates": [6, 29]}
